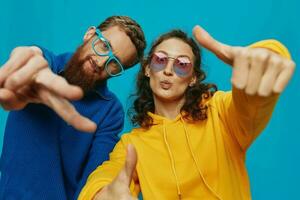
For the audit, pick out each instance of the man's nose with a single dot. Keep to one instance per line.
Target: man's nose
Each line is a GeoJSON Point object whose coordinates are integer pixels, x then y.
{"type": "Point", "coordinates": [101, 61]}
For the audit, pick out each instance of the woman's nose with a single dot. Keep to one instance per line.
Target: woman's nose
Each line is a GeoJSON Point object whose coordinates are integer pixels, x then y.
{"type": "Point", "coordinates": [169, 68]}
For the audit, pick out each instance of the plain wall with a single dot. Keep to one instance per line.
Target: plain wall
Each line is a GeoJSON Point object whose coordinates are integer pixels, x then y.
{"type": "Point", "coordinates": [273, 161]}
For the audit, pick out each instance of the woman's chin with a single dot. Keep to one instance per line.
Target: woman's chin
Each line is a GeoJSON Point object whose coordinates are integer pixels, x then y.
{"type": "Point", "coordinates": [166, 96]}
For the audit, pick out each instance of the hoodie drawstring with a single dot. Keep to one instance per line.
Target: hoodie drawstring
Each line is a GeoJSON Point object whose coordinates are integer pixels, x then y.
{"type": "Point", "coordinates": [173, 162]}
{"type": "Point", "coordinates": [195, 160]}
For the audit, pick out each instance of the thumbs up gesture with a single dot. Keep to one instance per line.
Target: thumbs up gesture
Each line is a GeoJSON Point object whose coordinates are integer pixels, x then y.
{"type": "Point", "coordinates": [119, 188]}
{"type": "Point", "coordinates": [257, 71]}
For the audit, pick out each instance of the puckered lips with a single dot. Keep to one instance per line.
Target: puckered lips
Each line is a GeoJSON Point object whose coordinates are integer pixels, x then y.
{"type": "Point", "coordinates": [165, 84]}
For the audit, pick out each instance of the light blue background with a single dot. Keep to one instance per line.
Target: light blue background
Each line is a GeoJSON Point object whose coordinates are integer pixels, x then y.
{"type": "Point", "coordinates": [274, 159]}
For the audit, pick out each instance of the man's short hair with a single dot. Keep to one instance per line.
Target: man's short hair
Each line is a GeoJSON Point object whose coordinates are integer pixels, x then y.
{"type": "Point", "coordinates": [132, 29]}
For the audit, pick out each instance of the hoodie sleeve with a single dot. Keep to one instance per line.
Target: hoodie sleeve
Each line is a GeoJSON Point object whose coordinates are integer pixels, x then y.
{"type": "Point", "coordinates": [246, 116]}
{"type": "Point", "coordinates": [104, 140]}
{"type": "Point", "coordinates": [106, 173]}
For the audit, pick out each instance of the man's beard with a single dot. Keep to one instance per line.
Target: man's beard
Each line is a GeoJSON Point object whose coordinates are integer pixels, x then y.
{"type": "Point", "coordinates": [76, 74]}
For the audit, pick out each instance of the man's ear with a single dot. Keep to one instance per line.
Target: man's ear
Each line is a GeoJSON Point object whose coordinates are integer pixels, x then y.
{"type": "Point", "coordinates": [193, 81]}
{"type": "Point", "coordinates": [89, 33]}
{"type": "Point", "coordinates": [147, 71]}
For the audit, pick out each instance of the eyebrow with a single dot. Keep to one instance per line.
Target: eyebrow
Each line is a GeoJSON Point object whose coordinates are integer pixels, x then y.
{"type": "Point", "coordinates": [183, 55]}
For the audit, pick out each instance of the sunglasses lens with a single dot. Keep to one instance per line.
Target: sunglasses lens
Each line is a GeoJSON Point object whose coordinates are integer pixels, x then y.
{"type": "Point", "coordinates": [182, 66]}
{"type": "Point", "coordinates": [158, 61]}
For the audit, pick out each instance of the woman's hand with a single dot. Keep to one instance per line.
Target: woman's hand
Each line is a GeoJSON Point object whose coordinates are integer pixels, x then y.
{"type": "Point", "coordinates": [119, 188]}
{"type": "Point", "coordinates": [257, 71]}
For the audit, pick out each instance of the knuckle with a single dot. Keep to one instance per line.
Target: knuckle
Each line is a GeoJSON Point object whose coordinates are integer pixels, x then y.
{"type": "Point", "coordinates": [290, 68]}
{"type": "Point", "coordinates": [25, 51]}
{"type": "Point", "coordinates": [291, 64]}
{"type": "Point", "coordinates": [13, 81]}
{"type": "Point", "coordinates": [39, 60]}
{"type": "Point", "coordinates": [70, 115]}
{"type": "Point", "coordinates": [259, 55]}
{"type": "Point", "coordinates": [29, 52]}
{"type": "Point", "coordinates": [38, 79]}
{"type": "Point", "coordinates": [243, 53]}
{"type": "Point", "coordinates": [41, 77]}
{"type": "Point", "coordinates": [238, 52]}
{"type": "Point", "coordinates": [18, 49]}
{"type": "Point", "coordinates": [275, 60]}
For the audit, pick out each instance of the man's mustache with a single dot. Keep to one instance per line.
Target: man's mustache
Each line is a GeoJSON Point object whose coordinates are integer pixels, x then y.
{"type": "Point", "coordinates": [91, 58]}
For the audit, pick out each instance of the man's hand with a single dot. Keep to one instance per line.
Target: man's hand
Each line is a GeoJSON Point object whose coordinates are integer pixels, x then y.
{"type": "Point", "coordinates": [119, 188]}
{"type": "Point", "coordinates": [257, 71]}
{"type": "Point", "coordinates": [26, 78]}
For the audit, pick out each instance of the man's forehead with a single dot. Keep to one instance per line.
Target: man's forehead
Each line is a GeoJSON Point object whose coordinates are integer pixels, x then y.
{"type": "Point", "coordinates": [115, 35]}
{"type": "Point", "coordinates": [121, 43]}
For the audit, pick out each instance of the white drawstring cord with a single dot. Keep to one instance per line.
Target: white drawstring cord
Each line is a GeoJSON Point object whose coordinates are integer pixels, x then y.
{"type": "Point", "coordinates": [173, 163]}
{"type": "Point", "coordinates": [195, 160]}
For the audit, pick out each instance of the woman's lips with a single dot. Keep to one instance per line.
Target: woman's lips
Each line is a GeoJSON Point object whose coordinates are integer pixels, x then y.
{"type": "Point", "coordinates": [165, 84]}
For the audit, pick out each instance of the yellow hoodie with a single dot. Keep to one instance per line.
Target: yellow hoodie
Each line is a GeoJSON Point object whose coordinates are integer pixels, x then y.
{"type": "Point", "coordinates": [190, 161]}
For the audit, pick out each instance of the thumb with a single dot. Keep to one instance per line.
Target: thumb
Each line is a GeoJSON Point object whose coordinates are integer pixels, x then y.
{"type": "Point", "coordinates": [130, 164]}
{"type": "Point", "coordinates": [222, 51]}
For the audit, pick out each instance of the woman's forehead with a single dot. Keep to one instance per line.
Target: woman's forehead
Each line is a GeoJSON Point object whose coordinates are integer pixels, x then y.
{"type": "Point", "coordinates": [175, 47]}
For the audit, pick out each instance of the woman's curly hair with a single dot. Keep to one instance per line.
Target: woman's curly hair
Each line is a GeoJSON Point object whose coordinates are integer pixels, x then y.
{"type": "Point", "coordinates": [192, 110]}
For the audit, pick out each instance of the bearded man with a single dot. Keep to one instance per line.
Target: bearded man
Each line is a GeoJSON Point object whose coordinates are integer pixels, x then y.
{"type": "Point", "coordinates": [54, 101]}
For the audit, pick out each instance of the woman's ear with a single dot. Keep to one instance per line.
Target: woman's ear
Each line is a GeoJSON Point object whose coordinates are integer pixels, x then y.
{"type": "Point", "coordinates": [147, 71]}
{"type": "Point", "coordinates": [89, 33]}
{"type": "Point", "coordinates": [193, 81]}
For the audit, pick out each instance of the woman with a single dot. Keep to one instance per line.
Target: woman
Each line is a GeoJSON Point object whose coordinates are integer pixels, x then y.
{"type": "Point", "coordinates": [192, 141]}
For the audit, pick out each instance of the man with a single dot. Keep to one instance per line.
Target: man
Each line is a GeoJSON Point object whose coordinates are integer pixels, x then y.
{"type": "Point", "coordinates": [43, 157]}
